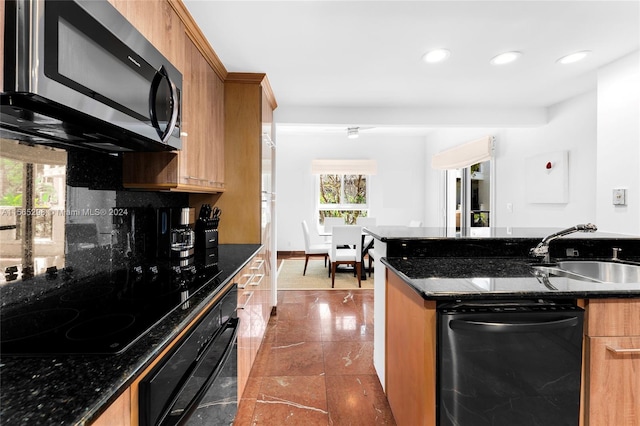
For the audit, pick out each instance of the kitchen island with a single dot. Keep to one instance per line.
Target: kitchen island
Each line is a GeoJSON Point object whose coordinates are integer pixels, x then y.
{"type": "Point", "coordinates": [76, 389]}
{"type": "Point", "coordinates": [420, 270]}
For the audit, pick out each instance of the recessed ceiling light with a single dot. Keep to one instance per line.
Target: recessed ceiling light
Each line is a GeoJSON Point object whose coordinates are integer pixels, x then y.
{"type": "Point", "coordinates": [437, 55]}
{"type": "Point", "coordinates": [574, 57]}
{"type": "Point", "coordinates": [505, 58]}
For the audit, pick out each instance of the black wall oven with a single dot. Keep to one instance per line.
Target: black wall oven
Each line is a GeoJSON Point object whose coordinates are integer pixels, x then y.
{"type": "Point", "coordinates": [197, 382]}
{"type": "Point", "coordinates": [78, 74]}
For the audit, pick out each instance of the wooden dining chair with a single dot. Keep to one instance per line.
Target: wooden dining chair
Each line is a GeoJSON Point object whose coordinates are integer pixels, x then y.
{"type": "Point", "coordinates": [313, 249]}
{"type": "Point", "coordinates": [346, 236]}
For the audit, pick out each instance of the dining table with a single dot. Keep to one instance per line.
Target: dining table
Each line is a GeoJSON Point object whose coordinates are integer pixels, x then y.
{"type": "Point", "coordinates": [365, 248]}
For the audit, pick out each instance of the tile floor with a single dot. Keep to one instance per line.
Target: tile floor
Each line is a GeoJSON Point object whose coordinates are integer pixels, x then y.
{"type": "Point", "coordinates": [315, 365]}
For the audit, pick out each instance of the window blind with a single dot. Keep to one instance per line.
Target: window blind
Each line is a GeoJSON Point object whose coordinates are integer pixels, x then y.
{"type": "Point", "coordinates": [344, 167]}
{"type": "Point", "coordinates": [464, 155]}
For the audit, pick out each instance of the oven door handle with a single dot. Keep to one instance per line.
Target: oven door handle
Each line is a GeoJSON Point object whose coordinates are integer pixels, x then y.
{"type": "Point", "coordinates": [166, 417]}
{"type": "Point", "coordinates": [512, 327]}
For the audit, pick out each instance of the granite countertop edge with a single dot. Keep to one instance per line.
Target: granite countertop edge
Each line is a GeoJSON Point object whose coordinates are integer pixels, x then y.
{"type": "Point", "coordinates": [418, 274]}
{"type": "Point", "coordinates": [77, 389]}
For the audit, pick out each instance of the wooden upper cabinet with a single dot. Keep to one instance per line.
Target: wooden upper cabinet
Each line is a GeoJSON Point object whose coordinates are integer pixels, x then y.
{"type": "Point", "coordinates": [199, 166]}
{"type": "Point", "coordinates": [160, 24]}
{"type": "Point", "coordinates": [248, 107]}
{"type": "Point", "coordinates": [202, 155]}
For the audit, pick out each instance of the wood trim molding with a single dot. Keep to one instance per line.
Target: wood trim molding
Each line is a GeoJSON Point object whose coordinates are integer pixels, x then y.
{"type": "Point", "coordinates": [198, 189]}
{"type": "Point", "coordinates": [197, 37]}
{"type": "Point", "coordinates": [254, 78]}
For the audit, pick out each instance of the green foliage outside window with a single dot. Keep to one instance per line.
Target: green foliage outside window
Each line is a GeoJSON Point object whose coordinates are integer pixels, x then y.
{"type": "Point", "coordinates": [343, 196]}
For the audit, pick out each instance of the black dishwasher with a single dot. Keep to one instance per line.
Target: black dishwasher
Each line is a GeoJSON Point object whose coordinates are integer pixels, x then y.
{"type": "Point", "coordinates": [509, 363]}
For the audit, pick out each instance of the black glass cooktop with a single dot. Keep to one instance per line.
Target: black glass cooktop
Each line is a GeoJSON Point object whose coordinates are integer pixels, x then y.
{"type": "Point", "coordinates": [101, 315]}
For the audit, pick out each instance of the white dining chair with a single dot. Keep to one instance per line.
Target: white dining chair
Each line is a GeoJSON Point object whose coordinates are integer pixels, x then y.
{"type": "Point", "coordinates": [366, 221]}
{"type": "Point", "coordinates": [312, 248]}
{"type": "Point", "coordinates": [343, 236]}
{"type": "Point", "coordinates": [330, 222]}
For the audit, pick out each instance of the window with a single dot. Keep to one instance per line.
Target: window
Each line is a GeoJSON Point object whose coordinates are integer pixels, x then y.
{"type": "Point", "coordinates": [342, 195]}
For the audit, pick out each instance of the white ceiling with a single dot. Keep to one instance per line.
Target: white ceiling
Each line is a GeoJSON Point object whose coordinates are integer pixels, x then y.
{"type": "Point", "coordinates": [353, 54]}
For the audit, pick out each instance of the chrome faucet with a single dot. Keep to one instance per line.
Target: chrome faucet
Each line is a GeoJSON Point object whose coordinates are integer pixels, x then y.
{"type": "Point", "coordinates": [542, 249]}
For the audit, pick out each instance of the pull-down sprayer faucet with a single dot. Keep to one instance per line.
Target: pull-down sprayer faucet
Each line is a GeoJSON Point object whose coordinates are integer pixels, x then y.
{"type": "Point", "coordinates": [542, 249]}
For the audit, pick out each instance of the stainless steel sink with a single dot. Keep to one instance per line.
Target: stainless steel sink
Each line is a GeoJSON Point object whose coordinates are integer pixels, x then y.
{"type": "Point", "coordinates": [594, 271]}
{"type": "Point", "coordinates": [608, 272]}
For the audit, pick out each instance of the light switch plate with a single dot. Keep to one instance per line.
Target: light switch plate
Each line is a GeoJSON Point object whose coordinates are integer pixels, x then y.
{"type": "Point", "coordinates": [619, 197]}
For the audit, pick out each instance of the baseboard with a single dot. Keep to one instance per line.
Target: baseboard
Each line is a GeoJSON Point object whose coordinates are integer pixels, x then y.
{"type": "Point", "coordinates": [285, 254]}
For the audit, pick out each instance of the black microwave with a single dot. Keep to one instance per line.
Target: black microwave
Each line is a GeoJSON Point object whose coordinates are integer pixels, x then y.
{"type": "Point", "coordinates": [77, 74]}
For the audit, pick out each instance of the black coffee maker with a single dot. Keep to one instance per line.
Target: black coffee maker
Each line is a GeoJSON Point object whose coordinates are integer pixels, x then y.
{"type": "Point", "coordinates": [174, 237]}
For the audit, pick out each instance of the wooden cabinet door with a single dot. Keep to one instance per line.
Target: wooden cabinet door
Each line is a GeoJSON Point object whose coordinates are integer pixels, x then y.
{"type": "Point", "coordinates": [410, 350]}
{"type": "Point", "coordinates": [213, 130]}
{"type": "Point", "coordinates": [614, 381]}
{"type": "Point", "coordinates": [613, 317]}
{"type": "Point", "coordinates": [190, 172]}
{"type": "Point", "coordinates": [202, 154]}
{"type": "Point", "coordinates": [244, 339]}
{"type": "Point", "coordinates": [160, 24]}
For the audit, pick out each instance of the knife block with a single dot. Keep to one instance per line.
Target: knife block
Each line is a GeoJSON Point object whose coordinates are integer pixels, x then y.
{"type": "Point", "coordinates": [206, 245]}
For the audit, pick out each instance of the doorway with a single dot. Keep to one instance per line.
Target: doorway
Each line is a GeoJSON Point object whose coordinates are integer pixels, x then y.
{"type": "Point", "coordinates": [470, 200]}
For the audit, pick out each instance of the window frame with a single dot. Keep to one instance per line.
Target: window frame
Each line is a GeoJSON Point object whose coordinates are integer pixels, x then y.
{"type": "Point", "coordinates": [349, 207]}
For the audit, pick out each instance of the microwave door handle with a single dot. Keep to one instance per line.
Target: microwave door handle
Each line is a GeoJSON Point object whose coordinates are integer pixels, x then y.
{"type": "Point", "coordinates": [155, 84]}
{"type": "Point", "coordinates": [233, 323]}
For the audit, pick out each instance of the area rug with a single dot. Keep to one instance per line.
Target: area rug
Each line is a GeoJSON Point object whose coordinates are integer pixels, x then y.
{"type": "Point", "coordinates": [290, 277]}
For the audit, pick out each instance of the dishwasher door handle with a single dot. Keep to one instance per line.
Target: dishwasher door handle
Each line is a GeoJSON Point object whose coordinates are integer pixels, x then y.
{"type": "Point", "coordinates": [512, 327]}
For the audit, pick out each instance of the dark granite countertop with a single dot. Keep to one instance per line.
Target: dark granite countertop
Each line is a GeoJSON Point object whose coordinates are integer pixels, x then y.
{"type": "Point", "coordinates": [65, 390]}
{"type": "Point", "coordinates": [452, 278]}
{"type": "Point", "coordinates": [498, 265]}
{"type": "Point", "coordinates": [388, 233]}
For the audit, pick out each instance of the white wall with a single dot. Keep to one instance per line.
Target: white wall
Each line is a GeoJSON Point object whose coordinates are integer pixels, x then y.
{"type": "Point", "coordinates": [571, 127]}
{"type": "Point", "coordinates": [599, 129]}
{"type": "Point", "coordinates": [618, 149]}
{"type": "Point", "coordinates": [397, 192]}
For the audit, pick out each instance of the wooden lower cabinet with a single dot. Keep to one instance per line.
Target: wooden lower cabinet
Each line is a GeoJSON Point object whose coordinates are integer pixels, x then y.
{"type": "Point", "coordinates": [254, 309]}
{"type": "Point", "coordinates": [118, 413]}
{"type": "Point", "coordinates": [614, 381]}
{"type": "Point", "coordinates": [410, 363]}
{"type": "Point", "coordinates": [613, 363]}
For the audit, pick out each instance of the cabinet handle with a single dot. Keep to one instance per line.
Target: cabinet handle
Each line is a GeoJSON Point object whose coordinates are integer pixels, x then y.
{"type": "Point", "coordinates": [257, 265]}
{"type": "Point", "coordinates": [249, 294]}
{"type": "Point", "coordinates": [259, 280]}
{"type": "Point", "coordinates": [622, 350]}
{"type": "Point", "coordinates": [248, 277]}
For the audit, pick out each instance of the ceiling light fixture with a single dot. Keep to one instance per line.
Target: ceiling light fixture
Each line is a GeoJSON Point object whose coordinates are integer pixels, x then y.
{"type": "Point", "coordinates": [352, 132]}
{"type": "Point", "coordinates": [574, 57]}
{"type": "Point", "coordinates": [505, 58]}
{"type": "Point", "coordinates": [437, 55]}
